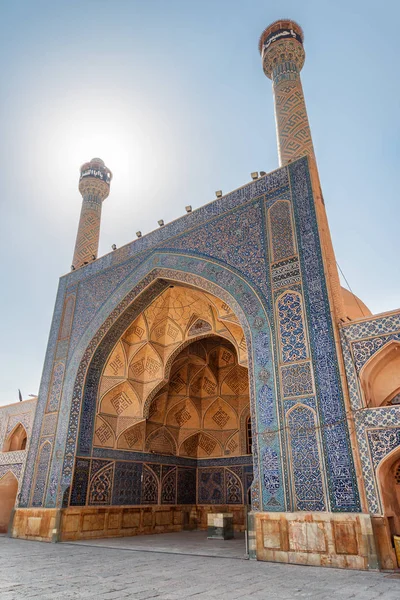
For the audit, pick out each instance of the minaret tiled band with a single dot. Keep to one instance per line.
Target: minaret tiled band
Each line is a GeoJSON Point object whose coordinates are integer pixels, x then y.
{"type": "Point", "coordinates": [94, 185]}
{"type": "Point", "coordinates": [282, 53]}
{"type": "Point", "coordinates": [283, 56]}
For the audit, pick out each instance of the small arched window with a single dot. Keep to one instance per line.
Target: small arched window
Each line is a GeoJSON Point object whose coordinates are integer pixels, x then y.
{"type": "Point", "coordinates": [249, 436]}
{"type": "Point", "coordinates": [16, 440]}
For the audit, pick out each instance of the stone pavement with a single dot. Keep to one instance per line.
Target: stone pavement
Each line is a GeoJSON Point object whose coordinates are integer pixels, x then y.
{"type": "Point", "coordinates": [72, 571]}
{"type": "Point", "coordinates": [183, 542]}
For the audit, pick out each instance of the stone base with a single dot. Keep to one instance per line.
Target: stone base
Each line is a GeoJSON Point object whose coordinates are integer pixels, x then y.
{"type": "Point", "coordinates": [220, 526]}
{"type": "Point", "coordinates": [383, 540]}
{"type": "Point", "coordinates": [343, 540]}
{"type": "Point", "coordinates": [86, 522]}
{"type": "Point", "coordinates": [39, 524]}
{"type": "Point", "coordinates": [82, 523]}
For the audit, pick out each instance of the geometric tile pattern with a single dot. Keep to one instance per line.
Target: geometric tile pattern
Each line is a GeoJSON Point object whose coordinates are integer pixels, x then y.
{"type": "Point", "coordinates": [364, 349]}
{"type": "Point", "coordinates": [41, 474]}
{"type": "Point", "coordinates": [292, 335]}
{"type": "Point", "coordinates": [377, 432]}
{"type": "Point", "coordinates": [84, 310]}
{"type": "Point", "coordinates": [101, 486]}
{"type": "Point", "coordinates": [305, 464]}
{"type": "Point", "coordinates": [10, 417]}
{"type": "Point", "coordinates": [340, 469]}
{"type": "Point", "coordinates": [271, 474]}
{"type": "Point", "coordinates": [168, 489]}
{"type": "Point", "coordinates": [80, 482]}
{"type": "Point", "coordinates": [234, 488]}
{"type": "Point", "coordinates": [281, 230]}
{"type": "Point", "coordinates": [139, 483]}
{"type": "Point", "coordinates": [382, 441]}
{"type": "Point", "coordinates": [197, 251]}
{"type": "Point", "coordinates": [293, 129]}
{"type": "Point", "coordinates": [377, 429]}
{"type": "Point", "coordinates": [286, 273]}
{"type": "Point", "coordinates": [149, 486]}
{"type": "Point", "coordinates": [127, 483]}
{"type": "Point", "coordinates": [297, 380]}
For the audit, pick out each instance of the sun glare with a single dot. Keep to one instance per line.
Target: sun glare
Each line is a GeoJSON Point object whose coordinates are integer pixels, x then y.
{"type": "Point", "coordinates": [134, 141]}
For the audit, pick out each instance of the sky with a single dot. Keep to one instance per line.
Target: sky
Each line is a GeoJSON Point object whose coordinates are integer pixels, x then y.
{"type": "Point", "coordinates": [171, 95]}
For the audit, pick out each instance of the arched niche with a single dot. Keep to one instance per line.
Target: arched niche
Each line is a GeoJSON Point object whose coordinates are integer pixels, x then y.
{"type": "Point", "coordinates": [17, 439]}
{"type": "Point", "coordinates": [380, 376]}
{"type": "Point", "coordinates": [388, 477]}
{"type": "Point", "coordinates": [8, 494]}
{"type": "Point", "coordinates": [115, 316]}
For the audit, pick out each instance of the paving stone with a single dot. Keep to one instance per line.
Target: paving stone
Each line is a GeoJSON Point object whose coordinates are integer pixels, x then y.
{"type": "Point", "coordinates": [34, 570]}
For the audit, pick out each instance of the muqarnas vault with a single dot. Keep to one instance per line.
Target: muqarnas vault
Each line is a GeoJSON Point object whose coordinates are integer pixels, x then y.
{"type": "Point", "coordinates": [183, 378]}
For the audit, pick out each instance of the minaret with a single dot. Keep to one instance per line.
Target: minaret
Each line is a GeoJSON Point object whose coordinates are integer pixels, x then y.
{"type": "Point", "coordinates": [94, 185]}
{"type": "Point", "coordinates": [283, 56]}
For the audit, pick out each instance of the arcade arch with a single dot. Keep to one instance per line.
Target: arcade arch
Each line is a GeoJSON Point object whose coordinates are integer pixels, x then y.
{"type": "Point", "coordinates": [16, 440]}
{"type": "Point", "coordinates": [388, 474]}
{"type": "Point", "coordinates": [8, 494]}
{"type": "Point", "coordinates": [176, 376]}
{"type": "Point", "coordinates": [380, 376]}
{"type": "Point", "coordinates": [173, 403]}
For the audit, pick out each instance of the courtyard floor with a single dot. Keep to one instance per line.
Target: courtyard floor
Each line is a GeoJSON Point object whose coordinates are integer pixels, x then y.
{"type": "Point", "coordinates": [193, 543]}
{"type": "Point", "coordinates": [97, 571]}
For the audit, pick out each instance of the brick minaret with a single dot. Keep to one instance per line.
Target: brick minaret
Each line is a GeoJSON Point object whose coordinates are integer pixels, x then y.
{"type": "Point", "coordinates": [282, 53]}
{"type": "Point", "coordinates": [283, 56]}
{"type": "Point", "coordinates": [94, 185]}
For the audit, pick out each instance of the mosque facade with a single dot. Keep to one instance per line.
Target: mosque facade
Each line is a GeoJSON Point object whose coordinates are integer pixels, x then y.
{"type": "Point", "coordinates": [217, 365]}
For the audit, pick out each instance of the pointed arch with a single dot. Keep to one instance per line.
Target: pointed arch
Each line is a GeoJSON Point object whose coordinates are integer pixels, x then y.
{"type": "Point", "coordinates": [132, 438]}
{"type": "Point", "coordinates": [150, 486]}
{"type": "Point", "coordinates": [183, 414]}
{"type": "Point", "coordinates": [161, 441]}
{"type": "Point", "coordinates": [380, 375]}
{"type": "Point", "coordinates": [116, 364]}
{"type": "Point", "coordinates": [112, 318]}
{"type": "Point", "coordinates": [234, 488]}
{"type": "Point", "coordinates": [8, 495]}
{"type": "Point", "coordinates": [388, 478]}
{"type": "Point", "coordinates": [100, 486]}
{"type": "Point", "coordinates": [245, 415]}
{"type": "Point", "coordinates": [17, 439]}
{"type": "Point", "coordinates": [200, 445]}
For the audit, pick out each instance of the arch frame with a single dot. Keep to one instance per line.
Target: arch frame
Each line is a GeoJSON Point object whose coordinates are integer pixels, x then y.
{"type": "Point", "coordinates": [393, 455]}
{"type": "Point", "coordinates": [372, 367]}
{"type": "Point", "coordinates": [140, 288]}
{"type": "Point", "coordinates": [7, 441]}
{"type": "Point", "coordinates": [8, 472]}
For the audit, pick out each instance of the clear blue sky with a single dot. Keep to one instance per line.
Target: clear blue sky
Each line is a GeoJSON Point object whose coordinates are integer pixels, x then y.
{"type": "Point", "coordinates": [171, 94]}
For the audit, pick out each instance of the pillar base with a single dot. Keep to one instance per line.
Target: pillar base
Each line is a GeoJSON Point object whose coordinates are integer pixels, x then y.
{"type": "Point", "coordinates": [341, 540]}
{"type": "Point", "coordinates": [383, 540]}
{"type": "Point", "coordinates": [38, 524]}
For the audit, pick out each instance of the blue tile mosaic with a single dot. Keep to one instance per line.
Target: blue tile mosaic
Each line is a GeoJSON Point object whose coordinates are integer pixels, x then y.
{"type": "Point", "coordinates": [197, 250]}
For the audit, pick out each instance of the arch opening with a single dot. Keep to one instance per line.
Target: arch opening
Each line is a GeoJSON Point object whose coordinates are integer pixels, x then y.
{"type": "Point", "coordinates": [388, 475]}
{"type": "Point", "coordinates": [380, 377]}
{"type": "Point", "coordinates": [8, 494]}
{"type": "Point", "coordinates": [16, 440]}
{"type": "Point", "coordinates": [169, 428]}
